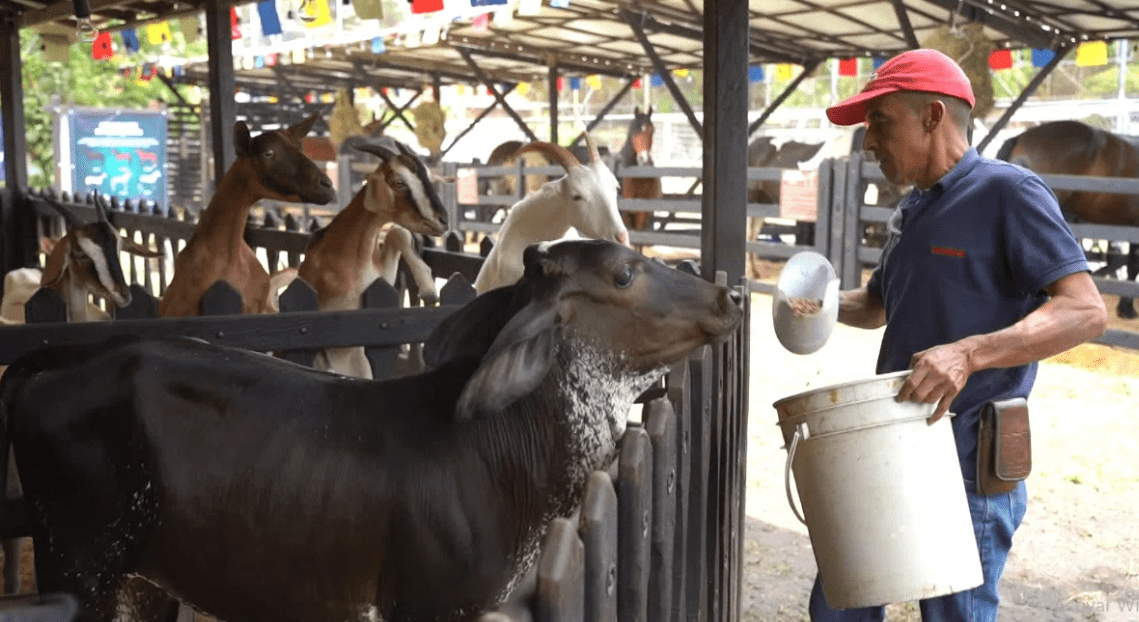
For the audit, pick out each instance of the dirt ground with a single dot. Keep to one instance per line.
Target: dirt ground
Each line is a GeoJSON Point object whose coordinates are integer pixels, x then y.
{"type": "Point", "coordinates": [1076, 555]}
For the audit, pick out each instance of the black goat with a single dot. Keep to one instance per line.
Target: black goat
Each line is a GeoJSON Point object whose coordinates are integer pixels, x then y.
{"type": "Point", "coordinates": [257, 490]}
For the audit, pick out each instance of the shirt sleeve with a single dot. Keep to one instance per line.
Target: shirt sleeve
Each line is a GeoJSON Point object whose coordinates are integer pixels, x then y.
{"type": "Point", "coordinates": [1040, 245]}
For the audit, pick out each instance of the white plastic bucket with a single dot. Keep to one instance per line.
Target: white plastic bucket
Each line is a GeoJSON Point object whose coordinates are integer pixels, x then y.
{"type": "Point", "coordinates": [882, 494]}
{"type": "Point", "coordinates": [805, 275]}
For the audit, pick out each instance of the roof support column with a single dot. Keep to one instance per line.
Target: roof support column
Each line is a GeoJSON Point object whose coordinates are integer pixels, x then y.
{"type": "Point", "coordinates": [397, 110]}
{"type": "Point", "coordinates": [223, 108]}
{"type": "Point", "coordinates": [481, 75]}
{"type": "Point", "coordinates": [725, 146]}
{"type": "Point", "coordinates": [552, 87]}
{"type": "Point", "coordinates": [808, 69]}
{"type": "Point", "coordinates": [604, 111]}
{"type": "Point", "coordinates": [482, 115]}
{"type": "Point", "coordinates": [17, 220]}
{"type": "Point", "coordinates": [662, 71]}
{"type": "Point", "coordinates": [1060, 52]}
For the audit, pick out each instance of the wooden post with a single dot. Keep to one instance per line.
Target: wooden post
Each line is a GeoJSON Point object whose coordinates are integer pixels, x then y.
{"type": "Point", "coordinates": [223, 108]}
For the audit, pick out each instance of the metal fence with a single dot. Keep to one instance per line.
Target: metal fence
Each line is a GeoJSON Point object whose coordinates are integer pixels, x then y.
{"type": "Point", "coordinates": [662, 540]}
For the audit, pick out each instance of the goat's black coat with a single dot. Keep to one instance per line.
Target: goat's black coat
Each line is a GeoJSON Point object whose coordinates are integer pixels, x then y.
{"type": "Point", "coordinates": [255, 489]}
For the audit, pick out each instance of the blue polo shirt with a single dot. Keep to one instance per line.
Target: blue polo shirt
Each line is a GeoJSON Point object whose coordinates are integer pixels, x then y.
{"type": "Point", "coordinates": [974, 255]}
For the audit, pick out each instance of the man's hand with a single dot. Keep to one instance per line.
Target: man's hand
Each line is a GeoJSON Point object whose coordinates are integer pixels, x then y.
{"type": "Point", "coordinates": [939, 374]}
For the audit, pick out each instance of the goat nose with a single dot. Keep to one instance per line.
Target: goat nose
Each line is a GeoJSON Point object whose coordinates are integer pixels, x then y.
{"type": "Point", "coordinates": [622, 237]}
{"type": "Point", "coordinates": [736, 297]}
{"type": "Point", "coordinates": [326, 183]}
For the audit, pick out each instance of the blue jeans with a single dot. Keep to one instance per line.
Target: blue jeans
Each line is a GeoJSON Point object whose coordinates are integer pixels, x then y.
{"type": "Point", "coordinates": [995, 519]}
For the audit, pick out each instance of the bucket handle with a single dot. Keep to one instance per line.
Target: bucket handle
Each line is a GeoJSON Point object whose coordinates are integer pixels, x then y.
{"type": "Point", "coordinates": [787, 472]}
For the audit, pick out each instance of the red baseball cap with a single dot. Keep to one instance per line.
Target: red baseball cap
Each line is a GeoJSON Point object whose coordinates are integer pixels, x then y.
{"type": "Point", "coordinates": [924, 70]}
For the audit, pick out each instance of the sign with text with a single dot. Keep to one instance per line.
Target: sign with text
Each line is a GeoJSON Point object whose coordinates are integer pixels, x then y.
{"type": "Point", "coordinates": [116, 152]}
{"type": "Point", "coordinates": [799, 195]}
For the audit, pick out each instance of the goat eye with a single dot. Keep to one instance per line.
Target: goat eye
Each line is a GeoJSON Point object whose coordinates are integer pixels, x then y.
{"type": "Point", "coordinates": [267, 154]}
{"type": "Point", "coordinates": [577, 197]}
{"type": "Point", "coordinates": [624, 277]}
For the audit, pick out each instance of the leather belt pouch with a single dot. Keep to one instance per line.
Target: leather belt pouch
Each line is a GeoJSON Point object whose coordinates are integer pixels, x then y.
{"type": "Point", "coordinates": [1004, 446]}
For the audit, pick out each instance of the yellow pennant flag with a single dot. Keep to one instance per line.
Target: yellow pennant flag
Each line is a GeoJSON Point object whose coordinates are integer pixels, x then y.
{"type": "Point", "coordinates": [784, 71]}
{"type": "Point", "coordinates": [523, 88]}
{"type": "Point", "coordinates": [680, 73]}
{"type": "Point", "coordinates": [159, 33]}
{"type": "Point", "coordinates": [1091, 54]}
{"type": "Point", "coordinates": [317, 11]}
{"type": "Point", "coordinates": [594, 82]}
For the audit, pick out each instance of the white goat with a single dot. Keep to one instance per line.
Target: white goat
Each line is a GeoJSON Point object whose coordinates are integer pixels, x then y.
{"type": "Point", "coordinates": [585, 198]}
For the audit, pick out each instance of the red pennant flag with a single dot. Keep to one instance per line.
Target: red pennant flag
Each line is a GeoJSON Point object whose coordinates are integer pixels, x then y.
{"type": "Point", "coordinates": [637, 83]}
{"type": "Point", "coordinates": [480, 22]}
{"type": "Point", "coordinates": [848, 67]}
{"type": "Point", "coordinates": [1000, 59]}
{"type": "Point", "coordinates": [233, 21]}
{"type": "Point", "coordinates": [561, 83]}
{"type": "Point", "coordinates": [102, 48]}
{"type": "Point", "coordinates": [426, 6]}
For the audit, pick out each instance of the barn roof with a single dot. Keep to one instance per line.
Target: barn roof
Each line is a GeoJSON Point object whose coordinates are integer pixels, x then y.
{"type": "Point", "coordinates": [607, 36]}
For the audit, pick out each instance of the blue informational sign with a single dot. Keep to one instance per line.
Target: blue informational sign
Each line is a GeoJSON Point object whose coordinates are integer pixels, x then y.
{"type": "Point", "coordinates": [118, 152]}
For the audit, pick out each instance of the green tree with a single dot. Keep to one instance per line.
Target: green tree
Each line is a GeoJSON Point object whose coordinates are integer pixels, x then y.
{"type": "Point", "coordinates": [84, 81]}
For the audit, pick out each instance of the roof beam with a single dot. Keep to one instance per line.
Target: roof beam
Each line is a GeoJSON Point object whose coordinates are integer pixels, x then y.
{"type": "Point", "coordinates": [1013, 27]}
{"type": "Point", "coordinates": [662, 71]}
{"type": "Point", "coordinates": [466, 54]}
{"type": "Point", "coordinates": [904, 23]}
{"type": "Point", "coordinates": [651, 23]}
{"type": "Point", "coordinates": [537, 56]}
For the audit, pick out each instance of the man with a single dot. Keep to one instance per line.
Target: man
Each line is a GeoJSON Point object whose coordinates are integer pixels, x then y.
{"type": "Point", "coordinates": [980, 279]}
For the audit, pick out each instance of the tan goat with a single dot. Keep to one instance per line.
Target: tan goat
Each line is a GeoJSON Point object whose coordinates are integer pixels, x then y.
{"type": "Point", "coordinates": [268, 166]}
{"type": "Point", "coordinates": [346, 257]}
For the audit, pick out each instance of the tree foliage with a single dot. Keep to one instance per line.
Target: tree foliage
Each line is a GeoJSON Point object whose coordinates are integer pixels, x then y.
{"type": "Point", "coordinates": [84, 81]}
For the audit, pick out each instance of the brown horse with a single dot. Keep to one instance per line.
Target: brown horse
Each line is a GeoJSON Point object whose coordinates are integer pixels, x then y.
{"type": "Point", "coordinates": [637, 151]}
{"type": "Point", "coordinates": [1074, 148]}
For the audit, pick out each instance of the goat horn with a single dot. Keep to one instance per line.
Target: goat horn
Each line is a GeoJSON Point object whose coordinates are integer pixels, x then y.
{"type": "Point", "coordinates": [594, 155]}
{"type": "Point", "coordinates": [557, 153]}
{"type": "Point", "coordinates": [101, 208]}
{"type": "Point", "coordinates": [379, 151]}
{"type": "Point", "coordinates": [68, 216]}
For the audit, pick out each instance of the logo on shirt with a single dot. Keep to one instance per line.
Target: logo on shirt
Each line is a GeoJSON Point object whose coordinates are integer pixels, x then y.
{"type": "Point", "coordinates": [946, 251]}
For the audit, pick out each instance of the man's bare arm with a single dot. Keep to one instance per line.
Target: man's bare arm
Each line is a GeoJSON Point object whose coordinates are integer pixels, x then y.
{"type": "Point", "coordinates": [1074, 314]}
{"type": "Point", "coordinates": [858, 308]}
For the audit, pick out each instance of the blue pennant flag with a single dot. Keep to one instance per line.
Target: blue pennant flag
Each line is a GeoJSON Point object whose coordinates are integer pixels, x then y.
{"type": "Point", "coordinates": [378, 45]}
{"type": "Point", "coordinates": [560, 4]}
{"type": "Point", "coordinates": [878, 62]}
{"type": "Point", "coordinates": [130, 39]}
{"type": "Point", "coordinates": [270, 22]}
{"type": "Point", "coordinates": [487, 2]}
{"type": "Point", "coordinates": [1041, 58]}
{"type": "Point", "coordinates": [755, 73]}
{"type": "Point", "coordinates": [575, 83]}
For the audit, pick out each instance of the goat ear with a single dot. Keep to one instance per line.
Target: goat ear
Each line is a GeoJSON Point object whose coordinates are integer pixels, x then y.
{"type": "Point", "coordinates": [242, 142]}
{"type": "Point", "coordinates": [517, 362]}
{"type": "Point", "coordinates": [302, 129]}
{"type": "Point", "coordinates": [470, 330]}
{"type": "Point", "coordinates": [141, 250]}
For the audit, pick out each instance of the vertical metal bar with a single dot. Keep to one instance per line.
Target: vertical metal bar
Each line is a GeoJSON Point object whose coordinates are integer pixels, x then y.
{"type": "Point", "coordinates": [1061, 51]}
{"type": "Point", "coordinates": [552, 88]}
{"type": "Point", "coordinates": [17, 220]}
{"type": "Point", "coordinates": [724, 231]}
{"type": "Point", "coordinates": [837, 207]}
{"type": "Point", "coordinates": [851, 267]}
{"type": "Point", "coordinates": [823, 209]}
{"type": "Point", "coordinates": [223, 108]}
